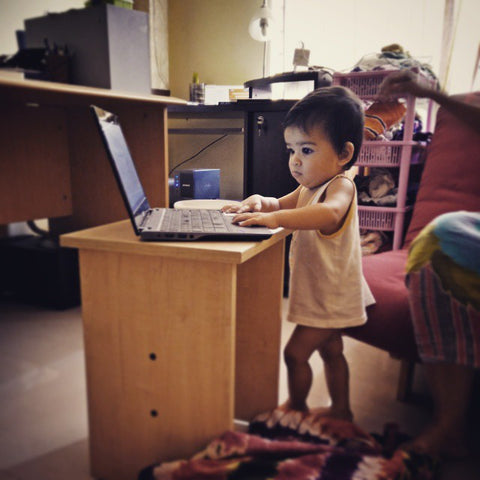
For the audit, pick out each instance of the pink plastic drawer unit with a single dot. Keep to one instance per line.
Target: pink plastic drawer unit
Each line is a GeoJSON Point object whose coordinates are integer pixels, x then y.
{"type": "Point", "coordinates": [381, 154]}
{"type": "Point", "coordinates": [387, 153]}
{"type": "Point", "coordinates": [376, 218]}
{"type": "Point", "coordinates": [364, 84]}
{"type": "Point", "coordinates": [399, 155]}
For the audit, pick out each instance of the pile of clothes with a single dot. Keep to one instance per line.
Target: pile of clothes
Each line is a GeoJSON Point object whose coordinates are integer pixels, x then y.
{"type": "Point", "coordinates": [377, 189]}
{"type": "Point", "coordinates": [393, 57]}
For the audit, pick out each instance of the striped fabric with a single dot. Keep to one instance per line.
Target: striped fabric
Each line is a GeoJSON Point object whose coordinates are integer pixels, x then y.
{"type": "Point", "coordinates": [445, 329]}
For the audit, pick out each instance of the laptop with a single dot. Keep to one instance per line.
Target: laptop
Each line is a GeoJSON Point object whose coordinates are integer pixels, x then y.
{"type": "Point", "coordinates": [163, 224]}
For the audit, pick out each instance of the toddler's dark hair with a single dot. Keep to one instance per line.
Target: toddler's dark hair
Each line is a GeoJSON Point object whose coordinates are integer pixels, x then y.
{"type": "Point", "coordinates": [337, 110]}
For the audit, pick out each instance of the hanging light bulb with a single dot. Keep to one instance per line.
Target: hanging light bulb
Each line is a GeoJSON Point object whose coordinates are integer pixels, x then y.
{"type": "Point", "coordinates": [261, 24]}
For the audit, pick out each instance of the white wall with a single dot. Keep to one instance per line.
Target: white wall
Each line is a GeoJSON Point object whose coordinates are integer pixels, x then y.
{"type": "Point", "coordinates": [467, 44]}
{"type": "Point", "coordinates": [340, 32]}
{"type": "Point", "coordinates": [211, 37]}
{"type": "Point", "coordinates": [14, 12]}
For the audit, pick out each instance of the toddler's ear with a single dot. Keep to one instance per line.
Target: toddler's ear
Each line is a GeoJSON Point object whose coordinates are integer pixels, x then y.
{"type": "Point", "coordinates": [347, 153]}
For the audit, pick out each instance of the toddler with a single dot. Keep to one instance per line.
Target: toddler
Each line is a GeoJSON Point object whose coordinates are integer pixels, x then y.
{"type": "Point", "coordinates": [323, 134]}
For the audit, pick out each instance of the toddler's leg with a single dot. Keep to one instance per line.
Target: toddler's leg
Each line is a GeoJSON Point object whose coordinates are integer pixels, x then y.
{"type": "Point", "coordinates": [303, 342]}
{"type": "Point", "coordinates": [337, 377]}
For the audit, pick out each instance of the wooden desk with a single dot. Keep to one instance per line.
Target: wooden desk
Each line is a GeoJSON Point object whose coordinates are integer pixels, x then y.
{"type": "Point", "coordinates": [180, 338]}
{"type": "Point", "coordinates": [52, 162]}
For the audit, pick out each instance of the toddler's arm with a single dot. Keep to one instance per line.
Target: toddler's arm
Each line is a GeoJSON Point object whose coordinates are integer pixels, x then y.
{"type": "Point", "coordinates": [259, 203]}
{"type": "Point", "coordinates": [326, 216]}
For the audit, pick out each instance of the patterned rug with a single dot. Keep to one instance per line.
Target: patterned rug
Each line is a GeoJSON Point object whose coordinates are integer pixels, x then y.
{"type": "Point", "coordinates": [288, 445]}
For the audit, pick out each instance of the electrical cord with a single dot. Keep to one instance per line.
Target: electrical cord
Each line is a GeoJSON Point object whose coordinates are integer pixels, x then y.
{"type": "Point", "coordinates": [44, 235]}
{"type": "Point", "coordinates": [197, 154]}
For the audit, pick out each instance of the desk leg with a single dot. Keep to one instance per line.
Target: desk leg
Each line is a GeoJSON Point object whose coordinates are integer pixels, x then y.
{"type": "Point", "coordinates": [159, 345]}
{"type": "Point", "coordinates": [259, 297]}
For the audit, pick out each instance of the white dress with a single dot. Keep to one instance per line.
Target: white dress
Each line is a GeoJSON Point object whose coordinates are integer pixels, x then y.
{"type": "Point", "coordinates": [327, 286]}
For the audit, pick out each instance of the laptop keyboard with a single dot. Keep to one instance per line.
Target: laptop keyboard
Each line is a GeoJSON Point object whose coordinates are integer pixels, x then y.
{"type": "Point", "coordinates": [209, 221]}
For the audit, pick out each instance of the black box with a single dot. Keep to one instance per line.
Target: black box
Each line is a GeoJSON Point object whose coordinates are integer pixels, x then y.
{"type": "Point", "coordinates": [200, 183]}
{"type": "Point", "coordinates": [38, 271]}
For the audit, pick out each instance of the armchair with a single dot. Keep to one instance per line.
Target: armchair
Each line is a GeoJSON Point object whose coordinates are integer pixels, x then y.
{"type": "Point", "coordinates": [450, 182]}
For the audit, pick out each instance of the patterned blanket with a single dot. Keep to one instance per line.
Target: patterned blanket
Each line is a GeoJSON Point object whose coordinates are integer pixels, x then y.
{"type": "Point", "coordinates": [291, 446]}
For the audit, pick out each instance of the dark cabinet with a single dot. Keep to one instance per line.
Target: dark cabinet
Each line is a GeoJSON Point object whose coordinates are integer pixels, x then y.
{"type": "Point", "coordinates": [266, 158]}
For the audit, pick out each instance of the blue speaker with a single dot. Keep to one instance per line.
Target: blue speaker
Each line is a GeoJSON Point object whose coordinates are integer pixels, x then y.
{"type": "Point", "coordinates": [200, 183]}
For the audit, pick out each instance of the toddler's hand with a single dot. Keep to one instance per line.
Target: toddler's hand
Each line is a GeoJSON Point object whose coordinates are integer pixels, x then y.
{"type": "Point", "coordinates": [250, 204]}
{"type": "Point", "coordinates": [250, 219]}
{"type": "Point", "coordinates": [231, 207]}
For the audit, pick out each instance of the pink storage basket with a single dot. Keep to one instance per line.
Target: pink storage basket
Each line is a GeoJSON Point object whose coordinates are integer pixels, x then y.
{"type": "Point", "coordinates": [376, 218]}
{"type": "Point", "coordinates": [364, 84]}
{"type": "Point", "coordinates": [398, 154]}
{"type": "Point", "coordinates": [387, 153]}
{"type": "Point", "coordinates": [380, 154]}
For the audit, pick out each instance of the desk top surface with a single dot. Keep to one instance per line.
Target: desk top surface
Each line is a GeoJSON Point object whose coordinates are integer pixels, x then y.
{"type": "Point", "coordinates": [13, 88]}
{"type": "Point", "coordinates": [119, 237]}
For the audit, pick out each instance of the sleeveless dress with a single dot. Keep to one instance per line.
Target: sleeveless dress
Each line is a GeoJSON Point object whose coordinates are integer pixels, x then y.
{"type": "Point", "coordinates": [327, 286]}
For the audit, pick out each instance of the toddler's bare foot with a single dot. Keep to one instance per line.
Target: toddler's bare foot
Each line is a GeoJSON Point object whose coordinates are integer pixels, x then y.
{"type": "Point", "coordinates": [275, 415]}
{"type": "Point", "coordinates": [332, 413]}
{"type": "Point", "coordinates": [284, 415]}
{"type": "Point", "coordinates": [292, 418]}
{"type": "Point", "coordinates": [288, 406]}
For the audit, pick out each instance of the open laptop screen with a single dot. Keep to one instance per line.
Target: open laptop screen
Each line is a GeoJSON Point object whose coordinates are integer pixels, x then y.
{"type": "Point", "coordinates": [123, 164]}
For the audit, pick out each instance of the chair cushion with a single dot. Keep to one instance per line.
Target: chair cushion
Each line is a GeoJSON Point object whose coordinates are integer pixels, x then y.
{"type": "Point", "coordinates": [450, 179]}
{"type": "Point", "coordinates": [389, 325]}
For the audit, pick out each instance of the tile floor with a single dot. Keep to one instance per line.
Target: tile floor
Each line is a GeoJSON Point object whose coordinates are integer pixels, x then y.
{"type": "Point", "coordinates": [43, 416]}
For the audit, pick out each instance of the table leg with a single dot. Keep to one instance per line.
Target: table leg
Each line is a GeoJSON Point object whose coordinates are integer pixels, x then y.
{"type": "Point", "coordinates": [160, 348]}
{"type": "Point", "coordinates": [259, 297]}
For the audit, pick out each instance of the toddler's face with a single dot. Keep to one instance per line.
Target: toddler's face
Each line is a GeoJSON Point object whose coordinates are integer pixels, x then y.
{"type": "Point", "coordinates": [313, 160]}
